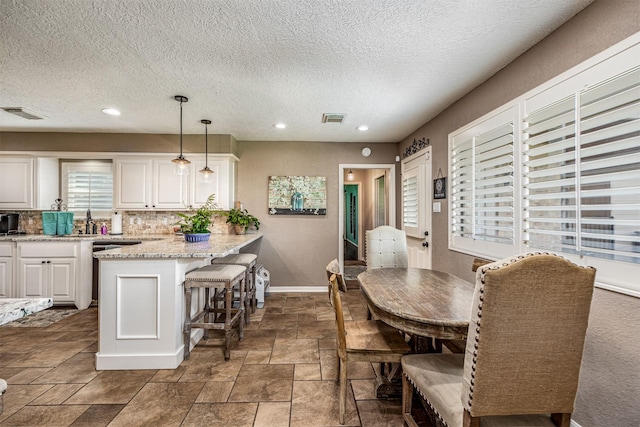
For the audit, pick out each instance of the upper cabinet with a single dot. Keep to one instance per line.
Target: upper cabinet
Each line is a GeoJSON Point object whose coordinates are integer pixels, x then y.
{"type": "Point", "coordinates": [222, 182]}
{"type": "Point", "coordinates": [151, 184]}
{"type": "Point", "coordinates": [28, 182]}
{"type": "Point", "coordinates": [141, 183]}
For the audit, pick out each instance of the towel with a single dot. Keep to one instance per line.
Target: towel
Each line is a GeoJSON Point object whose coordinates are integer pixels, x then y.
{"type": "Point", "coordinates": [65, 223]}
{"type": "Point", "coordinates": [49, 222]}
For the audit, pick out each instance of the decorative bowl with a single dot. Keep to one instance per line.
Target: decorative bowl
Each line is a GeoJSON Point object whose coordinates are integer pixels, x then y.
{"type": "Point", "coordinates": [197, 237]}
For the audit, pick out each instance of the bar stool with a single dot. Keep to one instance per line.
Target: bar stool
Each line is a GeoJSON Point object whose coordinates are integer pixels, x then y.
{"type": "Point", "coordinates": [214, 277]}
{"type": "Point", "coordinates": [249, 262]}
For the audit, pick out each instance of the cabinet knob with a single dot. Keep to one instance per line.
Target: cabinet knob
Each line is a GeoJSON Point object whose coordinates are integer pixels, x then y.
{"type": "Point", "coordinates": [43, 262]}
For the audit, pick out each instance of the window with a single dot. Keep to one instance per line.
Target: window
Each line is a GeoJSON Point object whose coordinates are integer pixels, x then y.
{"type": "Point", "coordinates": [482, 187]}
{"type": "Point", "coordinates": [87, 185]}
{"type": "Point", "coordinates": [557, 170]}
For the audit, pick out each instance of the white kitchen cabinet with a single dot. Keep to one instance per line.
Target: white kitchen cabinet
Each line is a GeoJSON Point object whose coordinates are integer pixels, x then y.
{"type": "Point", "coordinates": [48, 269]}
{"type": "Point", "coordinates": [28, 182]}
{"type": "Point", "coordinates": [148, 184]}
{"type": "Point", "coordinates": [6, 269]}
{"type": "Point", "coordinates": [222, 183]}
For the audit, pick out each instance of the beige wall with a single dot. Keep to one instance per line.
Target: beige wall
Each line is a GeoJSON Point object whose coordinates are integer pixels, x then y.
{"type": "Point", "coordinates": [115, 142]}
{"type": "Point", "coordinates": [609, 393]}
{"type": "Point", "coordinates": [295, 249]}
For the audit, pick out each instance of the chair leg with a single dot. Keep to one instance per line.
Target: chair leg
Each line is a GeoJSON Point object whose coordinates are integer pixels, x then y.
{"type": "Point", "coordinates": [469, 421]}
{"type": "Point", "coordinates": [343, 389]}
{"type": "Point", "coordinates": [407, 398]}
{"type": "Point", "coordinates": [561, 419]}
{"type": "Point", "coordinates": [187, 323]}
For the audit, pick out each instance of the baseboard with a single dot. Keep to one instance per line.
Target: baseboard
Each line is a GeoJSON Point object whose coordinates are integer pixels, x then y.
{"type": "Point", "coordinates": [575, 424]}
{"type": "Point", "coordinates": [313, 289]}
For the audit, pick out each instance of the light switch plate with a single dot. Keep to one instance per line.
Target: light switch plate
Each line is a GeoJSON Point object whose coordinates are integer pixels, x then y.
{"type": "Point", "coordinates": [437, 207]}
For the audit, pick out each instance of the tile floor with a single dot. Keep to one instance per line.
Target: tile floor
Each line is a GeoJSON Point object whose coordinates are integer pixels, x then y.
{"type": "Point", "coordinates": [282, 374]}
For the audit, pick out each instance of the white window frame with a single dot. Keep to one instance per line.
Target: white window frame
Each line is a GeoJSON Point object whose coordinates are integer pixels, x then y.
{"type": "Point", "coordinates": [70, 165]}
{"type": "Point", "coordinates": [613, 275]}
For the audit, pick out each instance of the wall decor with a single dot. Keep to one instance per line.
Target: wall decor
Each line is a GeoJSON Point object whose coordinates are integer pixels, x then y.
{"type": "Point", "coordinates": [416, 145]}
{"type": "Point", "coordinates": [440, 186]}
{"type": "Point", "coordinates": [297, 195]}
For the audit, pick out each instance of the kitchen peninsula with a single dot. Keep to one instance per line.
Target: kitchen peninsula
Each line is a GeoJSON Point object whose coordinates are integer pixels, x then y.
{"type": "Point", "coordinates": [141, 299]}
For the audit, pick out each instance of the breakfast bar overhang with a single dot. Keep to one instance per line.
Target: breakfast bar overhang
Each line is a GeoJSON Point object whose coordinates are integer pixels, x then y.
{"type": "Point", "coordinates": [141, 299]}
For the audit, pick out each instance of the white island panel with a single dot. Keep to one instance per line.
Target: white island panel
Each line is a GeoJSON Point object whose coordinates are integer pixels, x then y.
{"type": "Point", "coordinates": [138, 307]}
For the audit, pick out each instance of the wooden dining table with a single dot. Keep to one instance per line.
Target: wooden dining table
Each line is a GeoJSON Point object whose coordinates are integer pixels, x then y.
{"type": "Point", "coordinates": [418, 301]}
{"type": "Point", "coordinates": [430, 306]}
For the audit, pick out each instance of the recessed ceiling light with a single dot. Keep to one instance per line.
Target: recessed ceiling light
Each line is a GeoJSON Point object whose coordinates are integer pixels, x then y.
{"type": "Point", "coordinates": [280, 125]}
{"type": "Point", "coordinates": [111, 111]}
{"type": "Point", "coordinates": [363, 127]}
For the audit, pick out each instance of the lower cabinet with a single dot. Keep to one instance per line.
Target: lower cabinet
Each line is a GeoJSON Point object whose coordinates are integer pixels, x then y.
{"type": "Point", "coordinates": [6, 269]}
{"type": "Point", "coordinates": [48, 269]}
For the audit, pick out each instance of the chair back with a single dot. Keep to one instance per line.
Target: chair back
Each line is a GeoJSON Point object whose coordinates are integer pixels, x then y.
{"type": "Point", "coordinates": [334, 268]}
{"type": "Point", "coordinates": [526, 336]}
{"type": "Point", "coordinates": [341, 338]}
{"type": "Point", "coordinates": [386, 246]}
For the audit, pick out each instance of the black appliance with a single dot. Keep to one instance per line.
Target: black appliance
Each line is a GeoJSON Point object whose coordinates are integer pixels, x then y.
{"type": "Point", "coordinates": [103, 245]}
{"type": "Point", "coordinates": [9, 223]}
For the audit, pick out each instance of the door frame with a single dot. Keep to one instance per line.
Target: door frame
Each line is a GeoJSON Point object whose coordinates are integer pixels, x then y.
{"type": "Point", "coordinates": [358, 184]}
{"type": "Point", "coordinates": [392, 199]}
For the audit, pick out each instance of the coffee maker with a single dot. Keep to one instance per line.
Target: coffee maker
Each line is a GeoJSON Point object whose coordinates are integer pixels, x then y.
{"type": "Point", "coordinates": [9, 223]}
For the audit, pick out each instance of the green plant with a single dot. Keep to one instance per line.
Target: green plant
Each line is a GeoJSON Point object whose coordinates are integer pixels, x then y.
{"type": "Point", "coordinates": [241, 217]}
{"type": "Point", "coordinates": [198, 220]}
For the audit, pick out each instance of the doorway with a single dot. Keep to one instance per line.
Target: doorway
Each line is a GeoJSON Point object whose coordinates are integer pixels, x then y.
{"type": "Point", "coordinates": [369, 199]}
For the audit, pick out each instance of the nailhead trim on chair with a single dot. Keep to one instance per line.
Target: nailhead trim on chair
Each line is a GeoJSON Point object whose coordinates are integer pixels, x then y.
{"type": "Point", "coordinates": [482, 271]}
{"type": "Point", "coordinates": [426, 400]}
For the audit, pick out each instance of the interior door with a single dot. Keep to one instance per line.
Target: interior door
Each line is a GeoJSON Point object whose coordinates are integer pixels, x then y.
{"type": "Point", "coordinates": [416, 207]}
{"type": "Point", "coordinates": [351, 222]}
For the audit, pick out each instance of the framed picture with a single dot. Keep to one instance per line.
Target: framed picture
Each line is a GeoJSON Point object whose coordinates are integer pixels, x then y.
{"type": "Point", "coordinates": [297, 195]}
{"type": "Point", "coordinates": [440, 188]}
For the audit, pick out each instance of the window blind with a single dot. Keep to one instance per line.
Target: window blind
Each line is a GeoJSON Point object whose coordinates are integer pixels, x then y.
{"type": "Point", "coordinates": [582, 172]}
{"type": "Point", "coordinates": [88, 185]}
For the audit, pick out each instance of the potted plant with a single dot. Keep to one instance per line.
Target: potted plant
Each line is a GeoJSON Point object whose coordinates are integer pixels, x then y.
{"type": "Point", "coordinates": [241, 220]}
{"type": "Point", "coordinates": [195, 224]}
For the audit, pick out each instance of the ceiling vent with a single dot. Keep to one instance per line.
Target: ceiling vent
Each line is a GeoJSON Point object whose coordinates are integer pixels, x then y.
{"type": "Point", "coordinates": [332, 118]}
{"type": "Point", "coordinates": [25, 114]}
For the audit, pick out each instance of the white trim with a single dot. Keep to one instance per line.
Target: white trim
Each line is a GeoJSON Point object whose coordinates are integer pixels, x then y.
{"type": "Point", "coordinates": [392, 198]}
{"type": "Point", "coordinates": [297, 289]}
{"type": "Point", "coordinates": [100, 155]}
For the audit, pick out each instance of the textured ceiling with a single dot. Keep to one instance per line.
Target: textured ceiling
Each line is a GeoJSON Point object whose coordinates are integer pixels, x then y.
{"type": "Point", "coordinates": [245, 65]}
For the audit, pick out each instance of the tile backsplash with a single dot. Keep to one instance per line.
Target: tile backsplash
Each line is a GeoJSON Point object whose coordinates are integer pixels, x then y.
{"type": "Point", "coordinates": [133, 222]}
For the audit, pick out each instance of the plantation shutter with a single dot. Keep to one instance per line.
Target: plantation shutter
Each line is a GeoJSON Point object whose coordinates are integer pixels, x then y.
{"type": "Point", "coordinates": [582, 172]}
{"type": "Point", "coordinates": [410, 202]}
{"type": "Point", "coordinates": [88, 186]}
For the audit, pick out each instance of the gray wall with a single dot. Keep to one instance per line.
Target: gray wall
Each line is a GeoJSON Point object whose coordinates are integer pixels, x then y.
{"type": "Point", "coordinates": [295, 249]}
{"type": "Point", "coordinates": [609, 393]}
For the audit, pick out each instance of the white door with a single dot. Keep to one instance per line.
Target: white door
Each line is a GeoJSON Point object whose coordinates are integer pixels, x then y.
{"type": "Point", "coordinates": [416, 207]}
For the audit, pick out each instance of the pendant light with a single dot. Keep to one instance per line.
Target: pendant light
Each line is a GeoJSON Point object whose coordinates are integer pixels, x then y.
{"type": "Point", "coordinates": [350, 175]}
{"type": "Point", "coordinates": [205, 171]}
{"type": "Point", "coordinates": [181, 163]}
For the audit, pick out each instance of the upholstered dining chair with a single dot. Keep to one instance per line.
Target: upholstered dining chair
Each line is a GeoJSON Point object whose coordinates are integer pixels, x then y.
{"type": "Point", "coordinates": [386, 246]}
{"type": "Point", "coordinates": [362, 341]}
{"type": "Point", "coordinates": [523, 351]}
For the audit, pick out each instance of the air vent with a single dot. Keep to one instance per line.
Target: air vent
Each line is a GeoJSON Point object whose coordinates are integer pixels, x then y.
{"type": "Point", "coordinates": [25, 114]}
{"type": "Point", "coordinates": [332, 118]}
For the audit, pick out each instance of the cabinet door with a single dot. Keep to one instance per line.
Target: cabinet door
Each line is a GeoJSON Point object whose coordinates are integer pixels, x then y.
{"type": "Point", "coordinates": [132, 184]}
{"type": "Point", "coordinates": [169, 189]}
{"type": "Point", "coordinates": [19, 172]}
{"type": "Point", "coordinates": [6, 277]}
{"type": "Point", "coordinates": [221, 183]}
{"type": "Point", "coordinates": [62, 279]}
{"type": "Point", "coordinates": [32, 278]}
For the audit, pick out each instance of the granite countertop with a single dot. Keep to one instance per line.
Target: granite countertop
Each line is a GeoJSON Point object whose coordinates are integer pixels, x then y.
{"type": "Point", "coordinates": [218, 245]}
{"type": "Point", "coordinates": [81, 237]}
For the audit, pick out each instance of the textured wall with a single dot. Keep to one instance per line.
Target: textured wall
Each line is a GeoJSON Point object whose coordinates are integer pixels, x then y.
{"type": "Point", "coordinates": [295, 249]}
{"type": "Point", "coordinates": [609, 393]}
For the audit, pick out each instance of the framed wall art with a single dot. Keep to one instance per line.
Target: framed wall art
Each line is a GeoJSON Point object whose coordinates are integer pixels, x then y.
{"type": "Point", "coordinates": [297, 195]}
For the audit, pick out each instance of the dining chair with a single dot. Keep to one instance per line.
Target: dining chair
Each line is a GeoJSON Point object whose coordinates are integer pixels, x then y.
{"type": "Point", "coordinates": [386, 246]}
{"type": "Point", "coordinates": [363, 341]}
{"type": "Point", "coordinates": [334, 268]}
{"type": "Point", "coordinates": [523, 352]}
